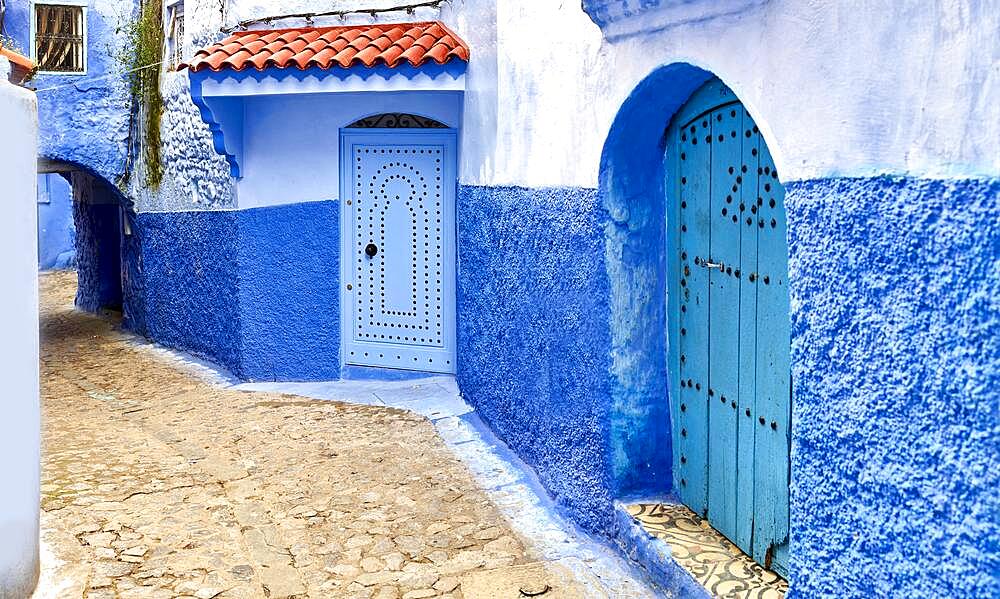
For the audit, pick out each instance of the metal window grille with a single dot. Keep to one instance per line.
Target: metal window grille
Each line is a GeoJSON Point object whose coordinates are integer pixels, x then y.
{"type": "Point", "coordinates": [175, 37]}
{"type": "Point", "coordinates": [59, 43]}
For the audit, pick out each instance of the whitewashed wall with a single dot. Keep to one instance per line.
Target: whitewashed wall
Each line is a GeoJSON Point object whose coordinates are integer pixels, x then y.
{"type": "Point", "coordinates": [19, 427]}
{"type": "Point", "coordinates": [838, 88]}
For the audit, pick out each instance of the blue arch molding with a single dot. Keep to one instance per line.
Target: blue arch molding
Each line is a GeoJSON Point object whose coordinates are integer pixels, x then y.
{"type": "Point", "coordinates": [224, 114]}
{"type": "Point", "coordinates": [631, 187]}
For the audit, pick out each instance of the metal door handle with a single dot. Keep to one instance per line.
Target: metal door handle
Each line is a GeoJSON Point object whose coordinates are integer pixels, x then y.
{"type": "Point", "coordinates": [710, 265]}
{"type": "Point", "coordinates": [371, 249]}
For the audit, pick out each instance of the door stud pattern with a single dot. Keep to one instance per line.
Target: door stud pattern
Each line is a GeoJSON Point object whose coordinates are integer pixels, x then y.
{"type": "Point", "coordinates": [731, 366]}
{"type": "Point", "coordinates": [401, 247]}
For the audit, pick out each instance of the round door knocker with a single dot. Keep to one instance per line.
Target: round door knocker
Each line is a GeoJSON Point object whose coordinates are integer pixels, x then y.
{"type": "Point", "coordinates": [371, 249]}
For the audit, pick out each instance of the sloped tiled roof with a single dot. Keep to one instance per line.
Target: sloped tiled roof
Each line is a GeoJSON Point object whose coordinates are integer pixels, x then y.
{"type": "Point", "coordinates": [391, 44]}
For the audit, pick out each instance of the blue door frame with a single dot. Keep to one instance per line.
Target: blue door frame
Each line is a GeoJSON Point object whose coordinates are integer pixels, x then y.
{"type": "Point", "coordinates": [729, 327]}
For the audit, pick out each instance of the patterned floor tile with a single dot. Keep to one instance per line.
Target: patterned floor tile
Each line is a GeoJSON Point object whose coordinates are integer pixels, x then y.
{"type": "Point", "coordinates": [712, 560]}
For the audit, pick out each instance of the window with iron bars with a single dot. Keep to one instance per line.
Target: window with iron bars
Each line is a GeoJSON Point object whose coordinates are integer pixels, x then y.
{"type": "Point", "coordinates": [59, 38]}
{"type": "Point", "coordinates": [175, 34]}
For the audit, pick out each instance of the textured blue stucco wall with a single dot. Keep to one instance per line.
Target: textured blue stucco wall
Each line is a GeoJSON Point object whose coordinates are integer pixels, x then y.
{"type": "Point", "coordinates": [534, 340]}
{"type": "Point", "coordinates": [190, 282]}
{"type": "Point", "coordinates": [98, 251]}
{"type": "Point", "coordinates": [83, 119]}
{"type": "Point", "coordinates": [56, 229]}
{"type": "Point", "coordinates": [895, 290]}
{"type": "Point", "coordinates": [254, 290]}
{"type": "Point", "coordinates": [289, 287]}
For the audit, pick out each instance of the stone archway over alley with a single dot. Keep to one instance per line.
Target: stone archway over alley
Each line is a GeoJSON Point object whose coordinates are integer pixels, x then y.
{"type": "Point", "coordinates": [159, 483]}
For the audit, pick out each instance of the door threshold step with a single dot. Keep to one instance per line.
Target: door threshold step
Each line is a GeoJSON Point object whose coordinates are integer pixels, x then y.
{"type": "Point", "coordinates": [711, 559]}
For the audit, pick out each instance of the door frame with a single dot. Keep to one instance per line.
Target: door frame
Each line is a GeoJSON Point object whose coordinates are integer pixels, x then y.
{"type": "Point", "coordinates": [448, 137]}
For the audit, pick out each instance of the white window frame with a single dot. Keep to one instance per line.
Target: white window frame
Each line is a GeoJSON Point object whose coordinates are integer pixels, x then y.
{"type": "Point", "coordinates": [33, 17]}
{"type": "Point", "coordinates": [172, 46]}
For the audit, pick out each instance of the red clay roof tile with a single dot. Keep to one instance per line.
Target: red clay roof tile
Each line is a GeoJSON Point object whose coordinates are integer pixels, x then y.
{"type": "Point", "coordinates": [322, 47]}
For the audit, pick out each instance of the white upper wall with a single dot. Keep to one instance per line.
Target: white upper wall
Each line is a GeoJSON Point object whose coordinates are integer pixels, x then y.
{"type": "Point", "coordinates": [839, 89]}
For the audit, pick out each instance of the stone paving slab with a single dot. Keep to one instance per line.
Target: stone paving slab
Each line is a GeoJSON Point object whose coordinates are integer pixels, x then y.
{"type": "Point", "coordinates": [159, 481]}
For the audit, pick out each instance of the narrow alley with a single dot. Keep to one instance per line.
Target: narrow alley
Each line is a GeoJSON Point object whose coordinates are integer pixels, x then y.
{"type": "Point", "coordinates": [156, 483]}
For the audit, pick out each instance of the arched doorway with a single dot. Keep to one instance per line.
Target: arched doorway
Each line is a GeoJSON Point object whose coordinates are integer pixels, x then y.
{"type": "Point", "coordinates": [101, 214]}
{"type": "Point", "coordinates": [728, 316]}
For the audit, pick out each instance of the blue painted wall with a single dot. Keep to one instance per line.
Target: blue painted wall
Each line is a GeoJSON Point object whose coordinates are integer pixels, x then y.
{"type": "Point", "coordinates": [534, 341]}
{"type": "Point", "coordinates": [189, 281]}
{"type": "Point", "coordinates": [289, 291]}
{"type": "Point", "coordinates": [896, 365]}
{"type": "Point", "coordinates": [98, 251]}
{"type": "Point", "coordinates": [85, 120]}
{"type": "Point", "coordinates": [896, 353]}
{"type": "Point", "coordinates": [254, 290]}
{"type": "Point", "coordinates": [56, 229]}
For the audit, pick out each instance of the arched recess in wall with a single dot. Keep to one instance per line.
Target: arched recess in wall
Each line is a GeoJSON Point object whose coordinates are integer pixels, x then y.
{"type": "Point", "coordinates": [109, 263]}
{"type": "Point", "coordinates": [637, 190]}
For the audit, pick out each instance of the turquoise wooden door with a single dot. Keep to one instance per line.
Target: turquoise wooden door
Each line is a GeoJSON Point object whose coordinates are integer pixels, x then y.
{"type": "Point", "coordinates": [730, 330]}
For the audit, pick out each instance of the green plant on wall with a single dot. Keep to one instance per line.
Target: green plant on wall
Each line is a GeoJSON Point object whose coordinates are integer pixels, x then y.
{"type": "Point", "coordinates": [142, 55]}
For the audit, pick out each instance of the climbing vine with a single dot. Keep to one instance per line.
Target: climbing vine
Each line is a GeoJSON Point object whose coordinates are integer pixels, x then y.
{"type": "Point", "coordinates": [142, 56]}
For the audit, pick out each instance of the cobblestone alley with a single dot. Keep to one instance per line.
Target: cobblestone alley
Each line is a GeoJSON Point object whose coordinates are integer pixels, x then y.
{"type": "Point", "coordinates": [158, 484]}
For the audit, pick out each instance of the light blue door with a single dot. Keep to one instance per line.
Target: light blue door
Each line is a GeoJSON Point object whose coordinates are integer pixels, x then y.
{"type": "Point", "coordinates": [729, 324]}
{"type": "Point", "coordinates": [398, 248]}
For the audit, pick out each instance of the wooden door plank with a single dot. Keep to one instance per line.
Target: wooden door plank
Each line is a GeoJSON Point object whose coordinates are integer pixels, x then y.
{"type": "Point", "coordinates": [773, 368]}
{"type": "Point", "coordinates": [694, 236]}
{"type": "Point", "coordinates": [672, 187]}
{"type": "Point", "coordinates": [746, 402]}
{"type": "Point", "coordinates": [724, 328]}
